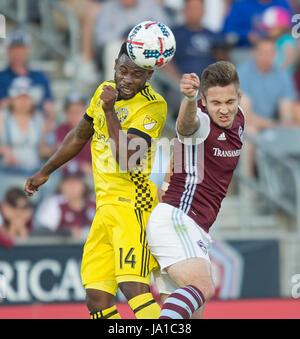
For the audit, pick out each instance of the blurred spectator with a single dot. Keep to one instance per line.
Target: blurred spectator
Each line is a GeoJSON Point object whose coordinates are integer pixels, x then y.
{"type": "Point", "coordinates": [173, 8]}
{"type": "Point", "coordinates": [15, 217]}
{"type": "Point", "coordinates": [276, 22]}
{"type": "Point", "coordinates": [240, 25]}
{"type": "Point", "coordinates": [268, 92]}
{"type": "Point", "coordinates": [75, 106]}
{"type": "Point", "coordinates": [297, 74]}
{"type": "Point", "coordinates": [86, 12]}
{"type": "Point", "coordinates": [18, 43]}
{"type": "Point", "coordinates": [71, 212]}
{"type": "Point", "coordinates": [114, 22]}
{"type": "Point", "coordinates": [244, 15]}
{"type": "Point", "coordinates": [297, 84]}
{"type": "Point", "coordinates": [22, 135]}
{"type": "Point", "coordinates": [214, 14]}
{"type": "Point", "coordinates": [196, 47]}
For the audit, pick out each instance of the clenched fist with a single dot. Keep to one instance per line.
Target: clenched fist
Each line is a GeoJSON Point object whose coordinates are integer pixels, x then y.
{"type": "Point", "coordinates": [108, 96]}
{"type": "Point", "coordinates": [189, 85]}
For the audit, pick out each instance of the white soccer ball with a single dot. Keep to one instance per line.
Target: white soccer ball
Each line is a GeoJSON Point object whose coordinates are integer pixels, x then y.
{"type": "Point", "coordinates": [151, 45]}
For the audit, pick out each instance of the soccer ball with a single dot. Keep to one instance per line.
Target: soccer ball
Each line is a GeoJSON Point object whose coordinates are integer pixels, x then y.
{"type": "Point", "coordinates": [151, 45]}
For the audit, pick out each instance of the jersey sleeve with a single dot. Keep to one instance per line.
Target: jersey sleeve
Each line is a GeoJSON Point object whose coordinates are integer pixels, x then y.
{"type": "Point", "coordinates": [150, 121]}
{"type": "Point", "coordinates": [202, 132]}
{"type": "Point", "coordinates": [89, 113]}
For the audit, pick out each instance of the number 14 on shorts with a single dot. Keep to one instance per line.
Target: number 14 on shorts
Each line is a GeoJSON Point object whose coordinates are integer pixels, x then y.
{"type": "Point", "coordinates": [127, 258]}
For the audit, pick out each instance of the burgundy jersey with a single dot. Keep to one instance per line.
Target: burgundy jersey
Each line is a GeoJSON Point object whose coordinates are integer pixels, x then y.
{"type": "Point", "coordinates": [202, 173]}
{"type": "Point", "coordinates": [70, 218]}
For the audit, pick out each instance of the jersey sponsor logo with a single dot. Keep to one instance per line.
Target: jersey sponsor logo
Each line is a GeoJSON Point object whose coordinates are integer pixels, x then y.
{"type": "Point", "coordinates": [226, 154]}
{"type": "Point", "coordinates": [124, 200]}
{"type": "Point", "coordinates": [222, 137]}
{"type": "Point", "coordinates": [149, 123]}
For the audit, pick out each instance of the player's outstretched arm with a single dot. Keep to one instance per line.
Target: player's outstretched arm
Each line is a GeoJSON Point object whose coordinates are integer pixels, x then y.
{"type": "Point", "coordinates": [187, 121]}
{"type": "Point", "coordinates": [70, 147]}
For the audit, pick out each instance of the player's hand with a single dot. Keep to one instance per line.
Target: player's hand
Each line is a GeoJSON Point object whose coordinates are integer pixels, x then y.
{"type": "Point", "coordinates": [189, 84]}
{"type": "Point", "coordinates": [108, 96]}
{"type": "Point", "coordinates": [33, 183]}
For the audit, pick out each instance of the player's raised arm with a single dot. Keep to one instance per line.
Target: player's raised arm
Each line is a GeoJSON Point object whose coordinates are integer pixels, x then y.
{"type": "Point", "coordinates": [164, 187]}
{"type": "Point", "coordinates": [71, 146]}
{"type": "Point", "coordinates": [121, 140]}
{"type": "Point", "coordinates": [188, 121]}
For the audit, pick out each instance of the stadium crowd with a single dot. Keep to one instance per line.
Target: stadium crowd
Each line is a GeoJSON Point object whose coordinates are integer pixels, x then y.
{"type": "Point", "coordinates": [254, 34]}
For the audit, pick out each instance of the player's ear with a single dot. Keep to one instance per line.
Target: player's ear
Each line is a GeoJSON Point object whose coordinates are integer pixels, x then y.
{"type": "Point", "coordinates": [240, 93]}
{"type": "Point", "coordinates": [116, 64]}
{"type": "Point", "coordinates": [202, 96]}
{"type": "Point", "coordinates": [149, 76]}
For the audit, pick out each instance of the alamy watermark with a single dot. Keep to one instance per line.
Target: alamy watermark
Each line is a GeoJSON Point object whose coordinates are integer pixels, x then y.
{"type": "Point", "coordinates": [296, 27]}
{"type": "Point", "coordinates": [2, 26]}
{"type": "Point", "coordinates": [295, 281]}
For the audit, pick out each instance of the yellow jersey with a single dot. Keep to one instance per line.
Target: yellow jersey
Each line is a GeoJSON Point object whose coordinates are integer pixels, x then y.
{"type": "Point", "coordinates": [143, 115]}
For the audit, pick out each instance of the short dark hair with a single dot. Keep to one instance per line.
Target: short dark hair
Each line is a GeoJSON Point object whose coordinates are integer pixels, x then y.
{"type": "Point", "coordinates": [221, 73]}
{"type": "Point", "coordinates": [13, 194]}
{"type": "Point", "coordinates": [123, 50]}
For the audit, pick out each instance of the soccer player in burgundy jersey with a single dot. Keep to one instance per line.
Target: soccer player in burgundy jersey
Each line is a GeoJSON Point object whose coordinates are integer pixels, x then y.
{"type": "Point", "coordinates": [206, 153]}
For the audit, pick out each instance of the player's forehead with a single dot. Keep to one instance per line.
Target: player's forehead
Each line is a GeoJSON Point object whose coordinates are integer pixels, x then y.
{"type": "Point", "coordinates": [220, 93]}
{"type": "Point", "coordinates": [125, 61]}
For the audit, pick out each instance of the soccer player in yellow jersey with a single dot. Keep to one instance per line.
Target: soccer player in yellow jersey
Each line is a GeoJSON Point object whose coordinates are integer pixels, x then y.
{"type": "Point", "coordinates": [125, 117]}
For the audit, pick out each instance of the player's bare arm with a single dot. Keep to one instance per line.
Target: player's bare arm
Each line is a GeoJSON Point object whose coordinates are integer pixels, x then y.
{"type": "Point", "coordinates": [188, 122]}
{"type": "Point", "coordinates": [73, 143]}
{"type": "Point", "coordinates": [166, 182]}
{"type": "Point", "coordinates": [125, 146]}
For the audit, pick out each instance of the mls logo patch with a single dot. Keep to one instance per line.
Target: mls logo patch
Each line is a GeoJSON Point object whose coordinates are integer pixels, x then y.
{"type": "Point", "coordinates": [149, 123]}
{"type": "Point", "coordinates": [202, 246]}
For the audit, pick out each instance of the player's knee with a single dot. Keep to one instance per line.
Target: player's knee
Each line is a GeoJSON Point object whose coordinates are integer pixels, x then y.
{"type": "Point", "coordinates": [208, 290]}
{"type": "Point", "coordinates": [133, 289]}
{"type": "Point", "coordinates": [205, 285]}
{"type": "Point", "coordinates": [98, 300]}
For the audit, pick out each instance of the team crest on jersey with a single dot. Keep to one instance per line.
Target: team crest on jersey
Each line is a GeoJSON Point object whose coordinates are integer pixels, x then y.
{"type": "Point", "coordinates": [122, 114]}
{"type": "Point", "coordinates": [149, 123]}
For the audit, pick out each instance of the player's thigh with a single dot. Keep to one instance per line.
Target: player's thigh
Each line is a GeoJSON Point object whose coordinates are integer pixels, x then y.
{"type": "Point", "coordinates": [173, 236]}
{"type": "Point", "coordinates": [132, 253]}
{"type": "Point", "coordinates": [98, 265]}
